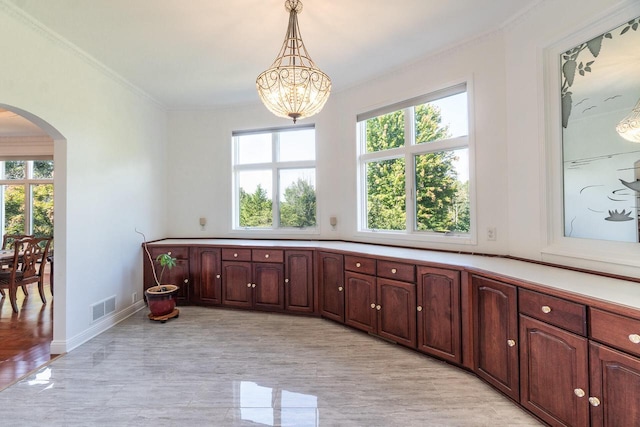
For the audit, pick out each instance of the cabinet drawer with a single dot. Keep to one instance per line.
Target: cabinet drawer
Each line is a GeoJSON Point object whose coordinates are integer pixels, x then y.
{"type": "Point", "coordinates": [360, 264]}
{"type": "Point", "coordinates": [236, 254]}
{"type": "Point", "coordinates": [396, 271]}
{"type": "Point", "coordinates": [615, 330]}
{"type": "Point", "coordinates": [179, 252]}
{"type": "Point", "coordinates": [555, 311]}
{"type": "Point", "coordinates": [268, 255]}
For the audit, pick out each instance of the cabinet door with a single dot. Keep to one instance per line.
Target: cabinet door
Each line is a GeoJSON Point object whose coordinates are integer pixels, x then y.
{"type": "Point", "coordinates": [207, 276]}
{"type": "Point", "coordinates": [268, 293]}
{"type": "Point", "coordinates": [615, 387]}
{"type": "Point", "coordinates": [331, 285]}
{"type": "Point", "coordinates": [495, 323]}
{"type": "Point", "coordinates": [396, 310]}
{"type": "Point", "coordinates": [178, 275]}
{"type": "Point", "coordinates": [554, 376]}
{"type": "Point", "coordinates": [298, 282]}
{"type": "Point", "coordinates": [236, 284]}
{"type": "Point", "coordinates": [360, 301]}
{"type": "Point", "coordinates": [439, 332]}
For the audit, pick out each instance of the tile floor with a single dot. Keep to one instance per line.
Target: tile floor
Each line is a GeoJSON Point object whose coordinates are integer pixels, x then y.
{"type": "Point", "coordinates": [217, 367]}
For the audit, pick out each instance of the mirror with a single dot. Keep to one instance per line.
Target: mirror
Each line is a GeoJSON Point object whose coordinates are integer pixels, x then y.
{"type": "Point", "coordinates": [600, 87]}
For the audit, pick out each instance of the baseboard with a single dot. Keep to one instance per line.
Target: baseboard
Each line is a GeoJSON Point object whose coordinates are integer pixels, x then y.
{"type": "Point", "coordinates": [65, 346]}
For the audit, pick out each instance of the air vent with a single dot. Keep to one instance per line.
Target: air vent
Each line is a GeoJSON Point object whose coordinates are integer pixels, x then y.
{"type": "Point", "coordinates": [102, 308]}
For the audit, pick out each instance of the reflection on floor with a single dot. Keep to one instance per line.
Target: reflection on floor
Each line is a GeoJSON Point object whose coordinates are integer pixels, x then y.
{"type": "Point", "coordinates": [220, 367]}
{"type": "Point", "coordinates": [25, 337]}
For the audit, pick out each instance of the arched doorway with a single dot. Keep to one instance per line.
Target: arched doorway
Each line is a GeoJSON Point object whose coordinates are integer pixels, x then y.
{"type": "Point", "coordinates": [30, 137]}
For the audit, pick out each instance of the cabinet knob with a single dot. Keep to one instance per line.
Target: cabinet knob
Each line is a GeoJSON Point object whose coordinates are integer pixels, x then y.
{"type": "Point", "coordinates": [378, 307]}
{"type": "Point", "coordinates": [511, 343]}
{"type": "Point", "coordinates": [253, 285]}
{"type": "Point", "coordinates": [634, 338]}
{"type": "Point", "coordinates": [186, 280]}
{"type": "Point", "coordinates": [373, 305]}
{"type": "Point", "coordinates": [546, 309]}
{"type": "Point", "coordinates": [394, 271]}
{"type": "Point", "coordinates": [358, 264]}
{"type": "Point", "coordinates": [217, 276]}
{"type": "Point", "coordinates": [286, 280]}
{"type": "Point", "coordinates": [579, 392]}
{"type": "Point", "coordinates": [248, 285]}
{"type": "Point", "coordinates": [266, 255]}
{"type": "Point", "coordinates": [419, 308]}
{"type": "Point", "coordinates": [594, 401]}
{"type": "Point", "coordinates": [339, 288]}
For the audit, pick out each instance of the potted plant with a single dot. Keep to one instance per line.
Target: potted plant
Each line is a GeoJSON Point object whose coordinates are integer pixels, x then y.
{"type": "Point", "coordinates": [161, 298]}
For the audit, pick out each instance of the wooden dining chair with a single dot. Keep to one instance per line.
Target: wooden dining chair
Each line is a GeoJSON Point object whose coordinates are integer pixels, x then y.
{"type": "Point", "coordinates": [27, 267]}
{"type": "Point", "coordinates": [7, 245]}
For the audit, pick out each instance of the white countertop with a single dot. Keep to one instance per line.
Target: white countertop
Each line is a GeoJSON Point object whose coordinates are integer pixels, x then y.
{"type": "Point", "coordinates": [617, 291]}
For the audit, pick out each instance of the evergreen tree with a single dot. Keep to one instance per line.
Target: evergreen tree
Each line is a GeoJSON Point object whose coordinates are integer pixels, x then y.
{"type": "Point", "coordinates": [255, 209]}
{"type": "Point", "coordinates": [298, 209]}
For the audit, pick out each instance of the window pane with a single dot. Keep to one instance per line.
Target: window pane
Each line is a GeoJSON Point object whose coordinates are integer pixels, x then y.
{"type": "Point", "coordinates": [255, 198]}
{"type": "Point", "coordinates": [254, 148]}
{"type": "Point", "coordinates": [385, 132]}
{"type": "Point", "coordinates": [442, 191]}
{"type": "Point", "coordinates": [386, 199]}
{"type": "Point", "coordinates": [42, 211]}
{"type": "Point", "coordinates": [13, 209]}
{"type": "Point", "coordinates": [297, 198]}
{"type": "Point", "coordinates": [297, 145]}
{"type": "Point", "coordinates": [14, 169]}
{"type": "Point", "coordinates": [42, 169]}
{"type": "Point", "coordinates": [442, 119]}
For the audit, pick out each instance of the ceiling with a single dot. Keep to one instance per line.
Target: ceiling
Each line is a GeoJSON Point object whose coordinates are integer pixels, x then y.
{"type": "Point", "coordinates": [200, 54]}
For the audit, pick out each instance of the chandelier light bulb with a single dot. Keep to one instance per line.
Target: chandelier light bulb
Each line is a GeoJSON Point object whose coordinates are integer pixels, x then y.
{"type": "Point", "coordinates": [629, 127]}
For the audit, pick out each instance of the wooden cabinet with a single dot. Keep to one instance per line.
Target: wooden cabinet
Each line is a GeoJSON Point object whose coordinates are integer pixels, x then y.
{"type": "Point", "coordinates": [439, 326]}
{"type": "Point", "coordinates": [495, 337]}
{"type": "Point", "coordinates": [247, 284]}
{"type": "Point", "coordinates": [615, 387]}
{"type": "Point", "coordinates": [380, 306]}
{"type": "Point", "coordinates": [554, 373]}
{"type": "Point", "coordinates": [298, 282]}
{"type": "Point", "coordinates": [178, 275]}
{"type": "Point", "coordinates": [331, 285]}
{"type": "Point", "coordinates": [206, 273]}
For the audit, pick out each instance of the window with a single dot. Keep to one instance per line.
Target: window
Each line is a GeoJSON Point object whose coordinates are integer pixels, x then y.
{"type": "Point", "coordinates": [27, 197]}
{"type": "Point", "coordinates": [414, 166]}
{"type": "Point", "coordinates": [275, 179]}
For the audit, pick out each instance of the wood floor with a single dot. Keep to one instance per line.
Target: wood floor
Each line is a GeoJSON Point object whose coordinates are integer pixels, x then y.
{"type": "Point", "coordinates": [25, 337]}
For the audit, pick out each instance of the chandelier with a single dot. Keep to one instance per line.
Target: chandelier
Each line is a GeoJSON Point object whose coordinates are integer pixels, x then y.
{"type": "Point", "coordinates": [629, 127]}
{"type": "Point", "coordinates": [293, 87]}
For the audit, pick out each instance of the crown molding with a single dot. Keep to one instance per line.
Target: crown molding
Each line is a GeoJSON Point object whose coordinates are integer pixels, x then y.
{"type": "Point", "coordinates": [36, 26]}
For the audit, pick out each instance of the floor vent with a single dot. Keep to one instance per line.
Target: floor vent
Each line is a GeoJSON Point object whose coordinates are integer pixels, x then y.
{"type": "Point", "coordinates": [102, 308]}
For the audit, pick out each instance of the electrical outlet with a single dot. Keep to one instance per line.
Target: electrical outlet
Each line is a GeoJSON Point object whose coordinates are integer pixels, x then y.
{"type": "Point", "coordinates": [134, 297]}
{"type": "Point", "coordinates": [492, 233]}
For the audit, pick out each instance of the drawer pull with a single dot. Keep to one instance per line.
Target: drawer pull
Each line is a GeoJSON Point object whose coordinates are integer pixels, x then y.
{"type": "Point", "coordinates": [235, 255]}
{"type": "Point", "coordinates": [266, 255]}
{"type": "Point", "coordinates": [579, 392]}
{"type": "Point", "coordinates": [339, 288]}
{"type": "Point", "coordinates": [634, 338]}
{"type": "Point", "coordinates": [378, 307]}
{"type": "Point", "coordinates": [358, 264]}
{"type": "Point", "coordinates": [394, 271]}
{"type": "Point", "coordinates": [511, 343]}
{"type": "Point", "coordinates": [373, 305]}
{"type": "Point", "coordinates": [594, 401]}
{"type": "Point", "coordinates": [419, 308]}
{"type": "Point", "coordinates": [546, 309]}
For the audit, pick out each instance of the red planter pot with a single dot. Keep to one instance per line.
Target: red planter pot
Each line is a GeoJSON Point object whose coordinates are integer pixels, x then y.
{"type": "Point", "coordinates": [161, 299]}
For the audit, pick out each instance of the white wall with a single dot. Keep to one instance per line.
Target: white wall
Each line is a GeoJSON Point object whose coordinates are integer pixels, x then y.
{"type": "Point", "coordinates": [109, 154]}
{"type": "Point", "coordinates": [505, 71]}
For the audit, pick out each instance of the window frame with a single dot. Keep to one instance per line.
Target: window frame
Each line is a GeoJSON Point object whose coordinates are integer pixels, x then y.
{"type": "Point", "coordinates": [274, 166]}
{"type": "Point", "coordinates": [28, 182]}
{"type": "Point", "coordinates": [408, 153]}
